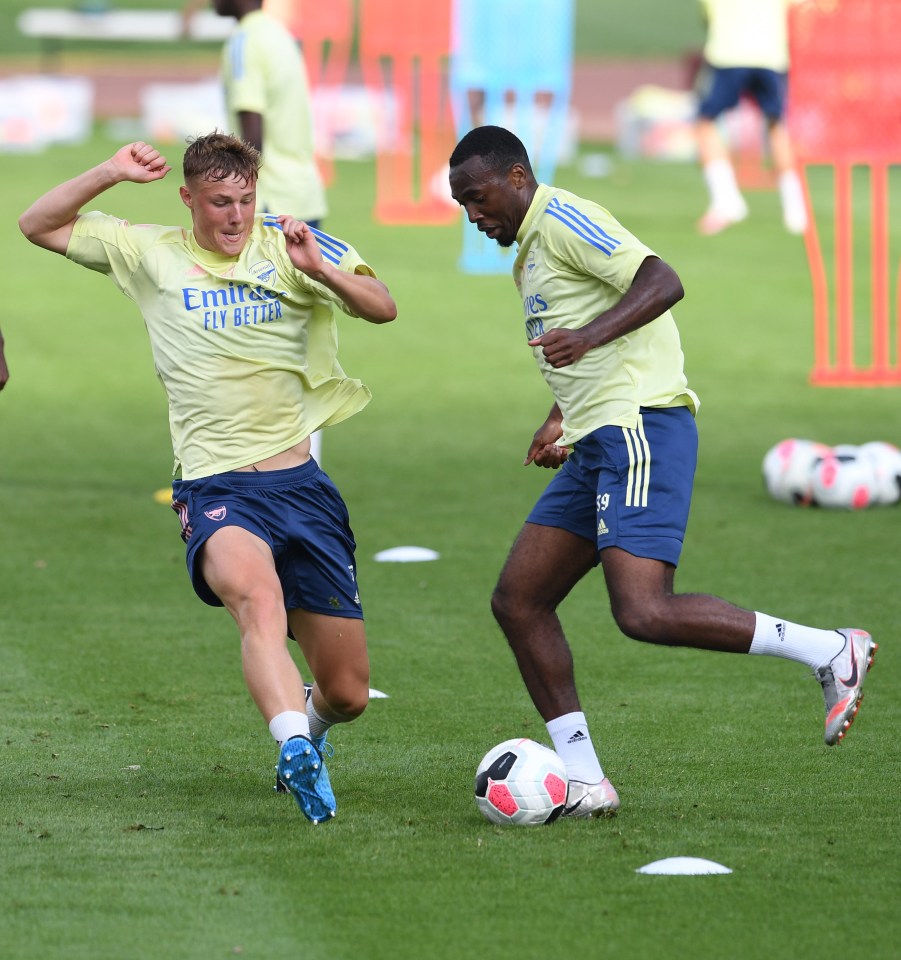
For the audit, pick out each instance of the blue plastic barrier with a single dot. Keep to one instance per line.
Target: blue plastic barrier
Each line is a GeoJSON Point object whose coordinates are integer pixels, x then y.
{"type": "Point", "coordinates": [511, 65]}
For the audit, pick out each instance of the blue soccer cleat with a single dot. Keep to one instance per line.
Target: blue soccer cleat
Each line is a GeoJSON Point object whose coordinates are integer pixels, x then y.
{"type": "Point", "coordinates": [301, 770]}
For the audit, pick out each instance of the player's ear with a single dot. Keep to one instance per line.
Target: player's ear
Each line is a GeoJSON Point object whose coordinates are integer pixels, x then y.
{"type": "Point", "coordinates": [517, 175]}
{"type": "Point", "coordinates": [185, 195]}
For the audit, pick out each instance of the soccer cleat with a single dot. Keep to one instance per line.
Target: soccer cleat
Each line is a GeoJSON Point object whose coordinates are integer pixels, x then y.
{"type": "Point", "coordinates": [591, 799]}
{"type": "Point", "coordinates": [842, 679]}
{"type": "Point", "coordinates": [301, 770]}
{"type": "Point", "coordinates": [716, 221]}
{"type": "Point", "coordinates": [325, 749]}
{"type": "Point", "coordinates": [795, 219]}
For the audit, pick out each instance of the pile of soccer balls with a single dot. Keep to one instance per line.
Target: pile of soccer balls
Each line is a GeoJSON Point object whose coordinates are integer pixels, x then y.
{"type": "Point", "coordinates": [807, 473]}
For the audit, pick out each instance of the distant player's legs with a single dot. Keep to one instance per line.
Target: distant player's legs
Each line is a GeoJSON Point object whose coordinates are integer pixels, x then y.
{"type": "Point", "coordinates": [719, 91]}
{"type": "Point", "coordinates": [544, 564]}
{"type": "Point", "coordinates": [791, 192]}
{"type": "Point", "coordinates": [727, 205]}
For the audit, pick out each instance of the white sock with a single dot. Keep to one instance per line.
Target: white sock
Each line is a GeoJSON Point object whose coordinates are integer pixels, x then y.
{"type": "Point", "coordinates": [318, 726]}
{"type": "Point", "coordinates": [291, 723]}
{"type": "Point", "coordinates": [794, 210]}
{"type": "Point", "coordinates": [725, 197]}
{"type": "Point", "coordinates": [792, 641]}
{"type": "Point", "coordinates": [572, 742]}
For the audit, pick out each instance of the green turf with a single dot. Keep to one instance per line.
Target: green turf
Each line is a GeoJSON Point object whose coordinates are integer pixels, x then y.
{"type": "Point", "coordinates": [136, 813]}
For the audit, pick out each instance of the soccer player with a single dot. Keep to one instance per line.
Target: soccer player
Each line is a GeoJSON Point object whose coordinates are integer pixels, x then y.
{"type": "Point", "coordinates": [239, 310]}
{"type": "Point", "coordinates": [268, 102]}
{"type": "Point", "coordinates": [746, 54]}
{"type": "Point", "coordinates": [596, 303]}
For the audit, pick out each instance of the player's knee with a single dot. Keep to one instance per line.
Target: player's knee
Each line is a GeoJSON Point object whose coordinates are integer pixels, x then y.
{"type": "Point", "coordinates": [354, 705]}
{"type": "Point", "coordinates": [346, 699]}
{"type": "Point", "coordinates": [257, 609]}
{"type": "Point", "coordinates": [640, 621]}
{"type": "Point", "coordinates": [505, 604]}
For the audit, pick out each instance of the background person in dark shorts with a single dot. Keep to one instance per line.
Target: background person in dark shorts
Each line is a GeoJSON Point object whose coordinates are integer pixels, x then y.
{"type": "Point", "coordinates": [746, 54]}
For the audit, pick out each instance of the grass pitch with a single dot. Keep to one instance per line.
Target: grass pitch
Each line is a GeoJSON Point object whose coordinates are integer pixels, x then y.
{"type": "Point", "coordinates": [136, 812]}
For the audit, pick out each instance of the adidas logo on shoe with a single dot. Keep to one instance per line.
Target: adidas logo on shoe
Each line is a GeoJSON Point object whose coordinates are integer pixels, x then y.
{"type": "Point", "coordinates": [577, 737]}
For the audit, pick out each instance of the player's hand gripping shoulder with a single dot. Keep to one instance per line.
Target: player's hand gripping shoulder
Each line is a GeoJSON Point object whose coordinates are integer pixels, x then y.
{"type": "Point", "coordinates": [302, 247]}
{"type": "Point", "coordinates": [365, 296]}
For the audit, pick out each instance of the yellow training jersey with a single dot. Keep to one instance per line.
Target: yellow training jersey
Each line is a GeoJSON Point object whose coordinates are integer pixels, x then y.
{"type": "Point", "coordinates": [245, 347]}
{"type": "Point", "coordinates": [574, 262]}
{"type": "Point", "coordinates": [747, 33]}
{"type": "Point", "coordinates": [263, 72]}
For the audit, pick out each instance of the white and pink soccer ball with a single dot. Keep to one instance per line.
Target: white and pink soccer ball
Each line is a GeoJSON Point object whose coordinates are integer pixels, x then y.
{"type": "Point", "coordinates": [844, 478]}
{"type": "Point", "coordinates": [521, 782]}
{"type": "Point", "coordinates": [886, 462]}
{"type": "Point", "coordinates": [788, 469]}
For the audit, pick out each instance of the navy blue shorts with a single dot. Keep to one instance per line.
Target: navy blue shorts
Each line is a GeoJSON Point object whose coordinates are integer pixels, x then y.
{"type": "Point", "coordinates": [720, 89]}
{"type": "Point", "coordinates": [298, 512]}
{"type": "Point", "coordinates": [628, 488]}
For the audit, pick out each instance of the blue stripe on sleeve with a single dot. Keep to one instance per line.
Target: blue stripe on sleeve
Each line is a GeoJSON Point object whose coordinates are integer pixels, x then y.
{"type": "Point", "coordinates": [236, 52]}
{"type": "Point", "coordinates": [333, 250]}
{"type": "Point", "coordinates": [582, 226]}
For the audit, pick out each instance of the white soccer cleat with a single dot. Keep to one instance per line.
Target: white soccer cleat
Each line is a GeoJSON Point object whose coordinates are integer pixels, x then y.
{"type": "Point", "coordinates": [842, 679]}
{"type": "Point", "coordinates": [591, 799]}
{"type": "Point", "coordinates": [718, 219]}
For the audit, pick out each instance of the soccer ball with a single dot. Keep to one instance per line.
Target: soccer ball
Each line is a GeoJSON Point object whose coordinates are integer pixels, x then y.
{"type": "Point", "coordinates": [844, 478]}
{"type": "Point", "coordinates": [522, 782]}
{"type": "Point", "coordinates": [886, 461]}
{"type": "Point", "coordinates": [788, 469]}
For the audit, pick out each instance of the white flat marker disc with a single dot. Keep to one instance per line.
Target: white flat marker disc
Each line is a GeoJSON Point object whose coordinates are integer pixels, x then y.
{"type": "Point", "coordinates": [683, 866]}
{"type": "Point", "coordinates": [406, 555]}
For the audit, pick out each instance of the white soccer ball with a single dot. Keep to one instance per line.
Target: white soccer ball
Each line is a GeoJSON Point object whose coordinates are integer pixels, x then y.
{"type": "Point", "coordinates": [788, 469]}
{"type": "Point", "coordinates": [521, 782]}
{"type": "Point", "coordinates": [886, 461]}
{"type": "Point", "coordinates": [844, 478]}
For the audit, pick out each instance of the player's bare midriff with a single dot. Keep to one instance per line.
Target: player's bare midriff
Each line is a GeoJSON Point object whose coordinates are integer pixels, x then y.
{"type": "Point", "coordinates": [292, 457]}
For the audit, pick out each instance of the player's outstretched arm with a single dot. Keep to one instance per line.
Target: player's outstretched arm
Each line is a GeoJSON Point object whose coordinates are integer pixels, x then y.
{"type": "Point", "coordinates": [367, 297]}
{"type": "Point", "coordinates": [655, 288]}
{"type": "Point", "coordinates": [49, 220]}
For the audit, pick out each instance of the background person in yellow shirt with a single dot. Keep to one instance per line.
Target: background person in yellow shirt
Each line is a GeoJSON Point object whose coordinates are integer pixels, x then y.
{"type": "Point", "coordinates": [596, 305]}
{"type": "Point", "coordinates": [239, 310]}
{"type": "Point", "coordinates": [746, 54]}
{"type": "Point", "coordinates": [268, 101]}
